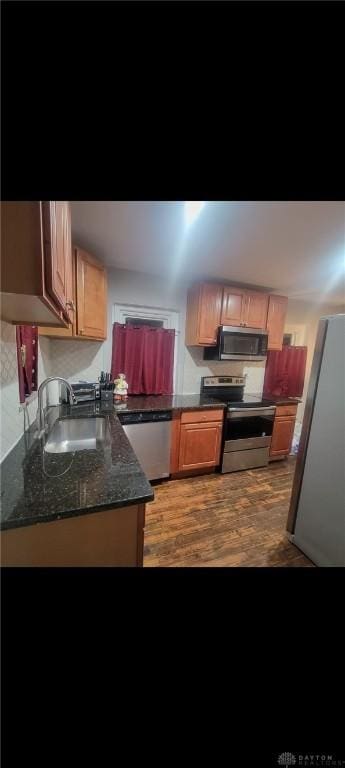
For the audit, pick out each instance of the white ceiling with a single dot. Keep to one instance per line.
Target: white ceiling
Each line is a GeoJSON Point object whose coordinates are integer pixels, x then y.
{"type": "Point", "coordinates": [297, 248]}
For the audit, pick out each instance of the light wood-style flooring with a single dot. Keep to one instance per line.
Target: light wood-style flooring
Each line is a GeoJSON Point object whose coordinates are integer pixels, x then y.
{"type": "Point", "coordinates": [214, 520]}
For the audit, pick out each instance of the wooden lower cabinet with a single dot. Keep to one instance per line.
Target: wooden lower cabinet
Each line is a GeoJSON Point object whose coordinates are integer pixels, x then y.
{"type": "Point", "coordinates": [196, 441]}
{"type": "Point", "coordinates": [199, 445]}
{"type": "Point", "coordinates": [101, 539]}
{"type": "Point", "coordinates": [283, 429]}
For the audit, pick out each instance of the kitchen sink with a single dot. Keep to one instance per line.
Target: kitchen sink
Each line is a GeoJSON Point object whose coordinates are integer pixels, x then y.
{"type": "Point", "coordinates": [68, 435]}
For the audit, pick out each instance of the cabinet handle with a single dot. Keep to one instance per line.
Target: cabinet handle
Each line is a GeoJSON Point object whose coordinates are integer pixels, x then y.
{"type": "Point", "coordinates": [81, 331]}
{"type": "Point", "coordinates": [70, 304]}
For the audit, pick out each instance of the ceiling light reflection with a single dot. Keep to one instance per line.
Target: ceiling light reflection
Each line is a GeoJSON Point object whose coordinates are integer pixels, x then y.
{"type": "Point", "coordinates": [192, 209]}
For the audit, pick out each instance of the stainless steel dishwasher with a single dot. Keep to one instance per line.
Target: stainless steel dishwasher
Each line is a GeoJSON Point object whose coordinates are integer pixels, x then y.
{"type": "Point", "coordinates": [149, 433]}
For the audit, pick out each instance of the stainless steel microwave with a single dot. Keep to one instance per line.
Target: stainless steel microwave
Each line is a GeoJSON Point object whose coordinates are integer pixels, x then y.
{"type": "Point", "coordinates": [238, 344]}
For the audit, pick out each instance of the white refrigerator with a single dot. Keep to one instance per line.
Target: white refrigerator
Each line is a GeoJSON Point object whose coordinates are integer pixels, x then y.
{"type": "Point", "coordinates": [316, 520]}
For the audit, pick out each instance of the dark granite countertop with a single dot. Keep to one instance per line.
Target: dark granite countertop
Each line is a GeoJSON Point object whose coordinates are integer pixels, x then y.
{"type": "Point", "coordinates": [37, 486]}
{"type": "Point", "coordinates": [168, 403]}
{"type": "Point", "coordinates": [281, 400]}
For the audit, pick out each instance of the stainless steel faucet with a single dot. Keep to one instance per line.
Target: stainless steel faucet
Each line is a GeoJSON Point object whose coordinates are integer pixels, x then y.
{"type": "Point", "coordinates": [42, 427]}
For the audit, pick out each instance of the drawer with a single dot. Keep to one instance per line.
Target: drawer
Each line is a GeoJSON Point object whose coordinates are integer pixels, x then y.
{"type": "Point", "coordinates": [286, 410]}
{"type": "Point", "coordinates": [198, 417]}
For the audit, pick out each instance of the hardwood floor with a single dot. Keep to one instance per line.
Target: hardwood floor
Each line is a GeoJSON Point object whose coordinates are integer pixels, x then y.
{"type": "Point", "coordinates": [236, 519]}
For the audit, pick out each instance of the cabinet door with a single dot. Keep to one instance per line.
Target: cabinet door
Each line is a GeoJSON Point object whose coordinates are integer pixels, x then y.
{"type": "Point", "coordinates": [232, 306]}
{"type": "Point", "coordinates": [282, 435]}
{"type": "Point", "coordinates": [276, 320]}
{"type": "Point", "coordinates": [70, 332]}
{"type": "Point", "coordinates": [255, 309]}
{"type": "Point", "coordinates": [58, 253]}
{"type": "Point", "coordinates": [209, 313]}
{"type": "Point", "coordinates": [70, 304]}
{"type": "Point", "coordinates": [199, 445]}
{"type": "Point", "coordinates": [91, 296]}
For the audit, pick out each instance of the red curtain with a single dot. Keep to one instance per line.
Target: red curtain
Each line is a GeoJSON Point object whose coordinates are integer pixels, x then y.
{"type": "Point", "coordinates": [27, 355]}
{"type": "Point", "coordinates": [146, 356]}
{"type": "Point", "coordinates": [285, 371]}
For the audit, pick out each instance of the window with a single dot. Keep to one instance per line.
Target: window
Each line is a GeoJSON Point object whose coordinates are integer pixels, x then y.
{"type": "Point", "coordinates": [146, 357]}
{"type": "Point", "coordinates": [140, 321]}
{"type": "Point", "coordinates": [166, 318]}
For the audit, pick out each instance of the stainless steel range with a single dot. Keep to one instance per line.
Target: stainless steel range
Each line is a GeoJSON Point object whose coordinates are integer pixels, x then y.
{"type": "Point", "coordinates": [248, 424]}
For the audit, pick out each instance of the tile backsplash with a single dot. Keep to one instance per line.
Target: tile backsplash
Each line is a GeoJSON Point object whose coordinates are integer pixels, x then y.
{"type": "Point", "coordinates": [14, 417]}
{"type": "Point", "coordinates": [69, 359]}
{"type": "Point", "coordinates": [195, 367]}
{"type": "Point", "coordinates": [75, 360]}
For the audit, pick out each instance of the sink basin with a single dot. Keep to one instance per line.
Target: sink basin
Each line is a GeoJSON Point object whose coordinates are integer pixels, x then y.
{"type": "Point", "coordinates": [68, 435]}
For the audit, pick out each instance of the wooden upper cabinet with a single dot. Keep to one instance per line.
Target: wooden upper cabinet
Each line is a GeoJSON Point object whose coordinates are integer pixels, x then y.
{"type": "Point", "coordinates": [244, 308]}
{"type": "Point", "coordinates": [91, 292]}
{"type": "Point", "coordinates": [203, 314]}
{"type": "Point", "coordinates": [70, 332]}
{"type": "Point", "coordinates": [210, 305]}
{"type": "Point", "coordinates": [232, 306]}
{"type": "Point", "coordinates": [277, 308]}
{"type": "Point", "coordinates": [36, 263]}
{"type": "Point", "coordinates": [58, 254]}
{"type": "Point", "coordinates": [89, 301]}
{"type": "Point", "coordinates": [255, 311]}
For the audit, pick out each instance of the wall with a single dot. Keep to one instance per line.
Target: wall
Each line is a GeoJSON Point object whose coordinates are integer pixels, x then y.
{"type": "Point", "coordinates": [84, 360]}
{"type": "Point", "coordinates": [75, 360]}
{"type": "Point", "coordinates": [14, 417]}
{"type": "Point", "coordinates": [81, 359]}
{"type": "Point", "coordinates": [195, 367]}
{"type": "Point", "coordinates": [125, 286]}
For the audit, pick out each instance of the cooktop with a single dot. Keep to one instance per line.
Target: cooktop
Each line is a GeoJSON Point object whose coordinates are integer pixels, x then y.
{"type": "Point", "coordinates": [230, 390]}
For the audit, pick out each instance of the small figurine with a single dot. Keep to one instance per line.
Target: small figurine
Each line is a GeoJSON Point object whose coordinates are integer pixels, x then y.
{"type": "Point", "coordinates": [121, 387]}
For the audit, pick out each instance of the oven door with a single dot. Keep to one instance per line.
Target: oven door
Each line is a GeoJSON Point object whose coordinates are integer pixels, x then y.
{"type": "Point", "coordinates": [242, 343]}
{"type": "Point", "coordinates": [247, 428]}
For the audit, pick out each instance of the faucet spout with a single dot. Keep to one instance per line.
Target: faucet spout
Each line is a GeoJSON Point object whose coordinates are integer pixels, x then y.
{"type": "Point", "coordinates": [40, 410]}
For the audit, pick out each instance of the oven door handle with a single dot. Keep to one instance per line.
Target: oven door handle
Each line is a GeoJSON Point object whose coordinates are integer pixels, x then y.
{"type": "Point", "coordinates": [248, 412]}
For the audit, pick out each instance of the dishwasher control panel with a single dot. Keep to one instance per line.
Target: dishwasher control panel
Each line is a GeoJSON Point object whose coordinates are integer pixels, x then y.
{"type": "Point", "coordinates": [142, 417]}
